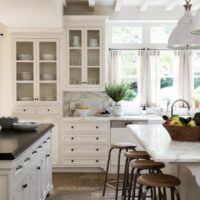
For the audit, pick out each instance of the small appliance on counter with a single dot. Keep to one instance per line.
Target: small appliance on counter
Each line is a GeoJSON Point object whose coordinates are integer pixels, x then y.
{"type": "Point", "coordinates": [7, 123]}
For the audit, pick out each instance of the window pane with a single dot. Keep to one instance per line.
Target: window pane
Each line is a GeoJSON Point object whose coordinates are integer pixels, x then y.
{"type": "Point", "coordinates": [160, 34]}
{"type": "Point", "coordinates": [126, 34]}
{"type": "Point", "coordinates": [166, 62]}
{"type": "Point", "coordinates": [129, 72]}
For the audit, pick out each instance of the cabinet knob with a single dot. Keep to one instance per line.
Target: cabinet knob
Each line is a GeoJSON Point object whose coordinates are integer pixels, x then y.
{"type": "Point", "coordinates": [45, 142]}
{"type": "Point", "coordinates": [24, 186]}
{"type": "Point", "coordinates": [48, 110]}
{"type": "Point", "coordinates": [72, 127]}
{"type": "Point", "coordinates": [97, 161]}
{"type": "Point", "coordinates": [24, 110]}
{"type": "Point", "coordinates": [97, 127]}
{"type": "Point", "coordinates": [38, 168]}
{"type": "Point", "coordinates": [72, 149]}
{"type": "Point", "coordinates": [97, 149]}
{"type": "Point", "coordinates": [34, 152]}
{"type": "Point", "coordinates": [48, 138]}
{"type": "Point", "coordinates": [72, 138]}
{"type": "Point", "coordinates": [97, 138]}
{"type": "Point", "coordinates": [72, 161]}
{"type": "Point", "coordinates": [27, 159]}
{"type": "Point", "coordinates": [19, 167]}
{"type": "Point", "coordinates": [39, 147]}
{"type": "Point", "coordinates": [48, 155]}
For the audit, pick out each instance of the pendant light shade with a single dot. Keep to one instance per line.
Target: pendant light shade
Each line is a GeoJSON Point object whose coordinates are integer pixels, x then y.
{"type": "Point", "coordinates": [196, 24]}
{"type": "Point", "coordinates": [181, 37]}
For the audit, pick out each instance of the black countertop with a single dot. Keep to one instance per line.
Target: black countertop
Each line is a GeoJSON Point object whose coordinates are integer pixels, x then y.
{"type": "Point", "coordinates": [12, 144]}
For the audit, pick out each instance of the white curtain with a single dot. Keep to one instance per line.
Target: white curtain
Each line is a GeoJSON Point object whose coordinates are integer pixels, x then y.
{"type": "Point", "coordinates": [142, 82]}
{"type": "Point", "coordinates": [153, 78]}
{"type": "Point", "coordinates": [183, 75]}
{"type": "Point", "coordinates": [114, 63]}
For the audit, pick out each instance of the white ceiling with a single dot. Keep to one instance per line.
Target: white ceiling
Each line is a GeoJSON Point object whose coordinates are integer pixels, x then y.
{"type": "Point", "coordinates": [144, 5]}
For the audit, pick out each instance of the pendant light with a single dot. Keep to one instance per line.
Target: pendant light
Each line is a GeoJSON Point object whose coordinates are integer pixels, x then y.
{"type": "Point", "coordinates": [181, 37]}
{"type": "Point", "coordinates": [196, 24]}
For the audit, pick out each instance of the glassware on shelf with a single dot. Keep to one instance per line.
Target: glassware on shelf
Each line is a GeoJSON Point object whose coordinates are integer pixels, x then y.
{"type": "Point", "coordinates": [93, 42]}
{"type": "Point", "coordinates": [46, 77]}
{"type": "Point", "coordinates": [26, 76]}
{"type": "Point", "coordinates": [25, 57]}
{"type": "Point", "coordinates": [76, 41]}
{"type": "Point", "coordinates": [48, 57]}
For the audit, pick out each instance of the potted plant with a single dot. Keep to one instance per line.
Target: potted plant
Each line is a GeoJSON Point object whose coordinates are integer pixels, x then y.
{"type": "Point", "coordinates": [196, 100]}
{"type": "Point", "coordinates": [117, 92]}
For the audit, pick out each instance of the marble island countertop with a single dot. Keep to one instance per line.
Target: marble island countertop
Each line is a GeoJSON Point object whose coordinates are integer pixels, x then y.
{"type": "Point", "coordinates": [157, 142]}
{"type": "Point", "coordinates": [113, 118]}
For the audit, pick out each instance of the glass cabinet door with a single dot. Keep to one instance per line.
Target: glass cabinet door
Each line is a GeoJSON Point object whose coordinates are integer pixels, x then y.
{"type": "Point", "coordinates": [75, 61]}
{"type": "Point", "coordinates": [93, 38]}
{"type": "Point", "coordinates": [47, 70]}
{"type": "Point", "coordinates": [25, 71]}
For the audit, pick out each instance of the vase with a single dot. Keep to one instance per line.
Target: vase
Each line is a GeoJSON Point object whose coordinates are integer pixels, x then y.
{"type": "Point", "coordinates": [118, 111]}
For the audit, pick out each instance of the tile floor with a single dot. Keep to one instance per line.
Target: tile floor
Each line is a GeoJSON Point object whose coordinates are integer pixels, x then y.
{"type": "Point", "coordinates": [76, 186]}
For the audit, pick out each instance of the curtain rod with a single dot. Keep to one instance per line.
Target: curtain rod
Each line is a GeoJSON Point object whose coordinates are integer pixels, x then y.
{"type": "Point", "coordinates": [141, 49]}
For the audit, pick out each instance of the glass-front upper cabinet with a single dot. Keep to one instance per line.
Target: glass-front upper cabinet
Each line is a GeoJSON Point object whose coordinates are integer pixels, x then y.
{"type": "Point", "coordinates": [84, 57]}
{"type": "Point", "coordinates": [36, 71]}
{"type": "Point", "coordinates": [75, 44]}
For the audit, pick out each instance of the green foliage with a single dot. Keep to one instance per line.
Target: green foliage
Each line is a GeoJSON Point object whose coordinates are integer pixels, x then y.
{"type": "Point", "coordinates": [117, 92]}
{"type": "Point", "coordinates": [166, 82]}
{"type": "Point", "coordinates": [131, 94]}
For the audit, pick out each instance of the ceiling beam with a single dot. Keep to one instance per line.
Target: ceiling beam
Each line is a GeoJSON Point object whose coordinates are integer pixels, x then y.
{"type": "Point", "coordinates": [144, 6]}
{"type": "Point", "coordinates": [91, 4]}
{"type": "Point", "coordinates": [171, 5]}
{"type": "Point", "coordinates": [118, 5]}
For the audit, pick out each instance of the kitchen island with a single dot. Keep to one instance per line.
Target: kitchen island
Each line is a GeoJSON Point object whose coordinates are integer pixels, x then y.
{"type": "Point", "coordinates": [157, 142]}
{"type": "Point", "coordinates": [25, 164]}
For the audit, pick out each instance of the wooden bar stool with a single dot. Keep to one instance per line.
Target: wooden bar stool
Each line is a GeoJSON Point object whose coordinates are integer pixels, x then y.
{"type": "Point", "coordinates": [132, 155]}
{"type": "Point", "coordinates": [159, 181]}
{"type": "Point", "coordinates": [119, 147]}
{"type": "Point", "coordinates": [137, 166]}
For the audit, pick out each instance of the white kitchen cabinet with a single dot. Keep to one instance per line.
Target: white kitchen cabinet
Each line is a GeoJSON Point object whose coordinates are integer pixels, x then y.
{"type": "Point", "coordinates": [85, 54]}
{"type": "Point", "coordinates": [36, 76]}
{"type": "Point", "coordinates": [29, 176]}
{"type": "Point", "coordinates": [84, 144]}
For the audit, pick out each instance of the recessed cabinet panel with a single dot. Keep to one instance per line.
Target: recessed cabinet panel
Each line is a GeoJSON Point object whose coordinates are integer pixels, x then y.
{"type": "Point", "coordinates": [25, 92]}
{"type": "Point", "coordinates": [48, 92]}
{"type": "Point", "coordinates": [75, 38]}
{"type": "Point", "coordinates": [93, 38]}
{"type": "Point", "coordinates": [93, 75]}
{"type": "Point", "coordinates": [75, 58]}
{"type": "Point", "coordinates": [75, 76]}
{"type": "Point", "coordinates": [25, 51]}
{"type": "Point", "coordinates": [93, 58]}
{"type": "Point", "coordinates": [47, 51]}
{"type": "Point", "coordinates": [48, 72]}
{"type": "Point", "coordinates": [25, 72]}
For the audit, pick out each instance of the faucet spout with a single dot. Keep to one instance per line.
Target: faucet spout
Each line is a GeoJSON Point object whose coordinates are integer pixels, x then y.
{"type": "Point", "coordinates": [178, 100]}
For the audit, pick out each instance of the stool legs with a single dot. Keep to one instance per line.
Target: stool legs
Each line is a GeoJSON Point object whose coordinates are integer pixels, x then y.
{"type": "Point", "coordinates": [107, 169]}
{"type": "Point", "coordinates": [118, 171]}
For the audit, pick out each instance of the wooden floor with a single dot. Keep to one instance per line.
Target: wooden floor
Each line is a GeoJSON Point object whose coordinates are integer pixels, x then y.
{"type": "Point", "coordinates": [73, 186]}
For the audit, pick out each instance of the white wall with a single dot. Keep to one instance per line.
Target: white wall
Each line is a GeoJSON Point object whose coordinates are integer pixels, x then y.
{"type": "Point", "coordinates": [5, 73]}
{"type": "Point", "coordinates": [31, 13]}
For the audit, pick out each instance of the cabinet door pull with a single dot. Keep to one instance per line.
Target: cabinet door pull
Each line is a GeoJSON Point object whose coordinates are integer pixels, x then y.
{"type": "Point", "coordinates": [72, 127]}
{"type": "Point", "coordinates": [38, 168]}
{"type": "Point", "coordinates": [97, 127]}
{"type": "Point", "coordinates": [19, 167]}
{"type": "Point", "coordinates": [27, 159]}
{"type": "Point", "coordinates": [72, 138]}
{"type": "Point", "coordinates": [24, 110]}
{"type": "Point", "coordinates": [48, 138]}
{"type": "Point", "coordinates": [48, 110]}
{"type": "Point", "coordinates": [48, 155]}
{"type": "Point", "coordinates": [45, 142]}
{"type": "Point", "coordinates": [97, 149]}
{"type": "Point", "coordinates": [34, 152]}
{"type": "Point", "coordinates": [72, 161]}
{"type": "Point", "coordinates": [97, 161]}
{"type": "Point", "coordinates": [24, 186]}
{"type": "Point", "coordinates": [97, 138]}
{"type": "Point", "coordinates": [40, 146]}
{"type": "Point", "coordinates": [72, 149]}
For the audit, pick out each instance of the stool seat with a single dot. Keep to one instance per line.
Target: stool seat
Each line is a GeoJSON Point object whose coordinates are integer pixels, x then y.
{"type": "Point", "coordinates": [147, 164]}
{"type": "Point", "coordinates": [123, 145]}
{"type": "Point", "coordinates": [159, 180]}
{"type": "Point", "coordinates": [137, 155]}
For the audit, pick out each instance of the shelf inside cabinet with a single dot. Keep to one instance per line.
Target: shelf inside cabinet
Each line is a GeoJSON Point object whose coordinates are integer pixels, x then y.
{"type": "Point", "coordinates": [93, 38]}
{"type": "Point", "coordinates": [93, 57]}
{"type": "Point", "coordinates": [75, 76]}
{"type": "Point", "coordinates": [75, 38]}
{"type": "Point", "coordinates": [47, 51]}
{"type": "Point", "coordinates": [93, 76]}
{"type": "Point", "coordinates": [48, 91]}
{"type": "Point", "coordinates": [25, 71]}
{"type": "Point", "coordinates": [24, 51]}
{"type": "Point", "coordinates": [48, 71]}
{"type": "Point", "coordinates": [25, 91]}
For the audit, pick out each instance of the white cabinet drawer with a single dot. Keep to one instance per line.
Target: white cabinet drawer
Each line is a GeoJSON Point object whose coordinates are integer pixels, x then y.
{"type": "Point", "coordinates": [85, 127]}
{"type": "Point", "coordinates": [24, 110]}
{"type": "Point", "coordinates": [84, 151]}
{"type": "Point", "coordinates": [81, 140]}
{"type": "Point", "coordinates": [83, 162]}
{"type": "Point", "coordinates": [48, 110]}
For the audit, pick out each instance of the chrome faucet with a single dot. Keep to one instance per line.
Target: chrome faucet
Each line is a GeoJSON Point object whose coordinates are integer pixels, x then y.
{"type": "Point", "coordinates": [172, 107]}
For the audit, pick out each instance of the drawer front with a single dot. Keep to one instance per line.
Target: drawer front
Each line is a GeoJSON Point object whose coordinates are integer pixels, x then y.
{"type": "Point", "coordinates": [85, 127]}
{"type": "Point", "coordinates": [84, 151]}
{"type": "Point", "coordinates": [83, 162]}
{"type": "Point", "coordinates": [24, 110]}
{"type": "Point", "coordinates": [81, 140]}
{"type": "Point", "coordinates": [48, 110]}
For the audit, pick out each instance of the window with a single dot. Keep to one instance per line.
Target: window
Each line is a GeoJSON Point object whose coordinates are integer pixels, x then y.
{"type": "Point", "coordinates": [129, 71]}
{"type": "Point", "coordinates": [160, 34]}
{"type": "Point", "coordinates": [126, 34]}
{"type": "Point", "coordinates": [196, 74]}
{"type": "Point", "coordinates": [167, 63]}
